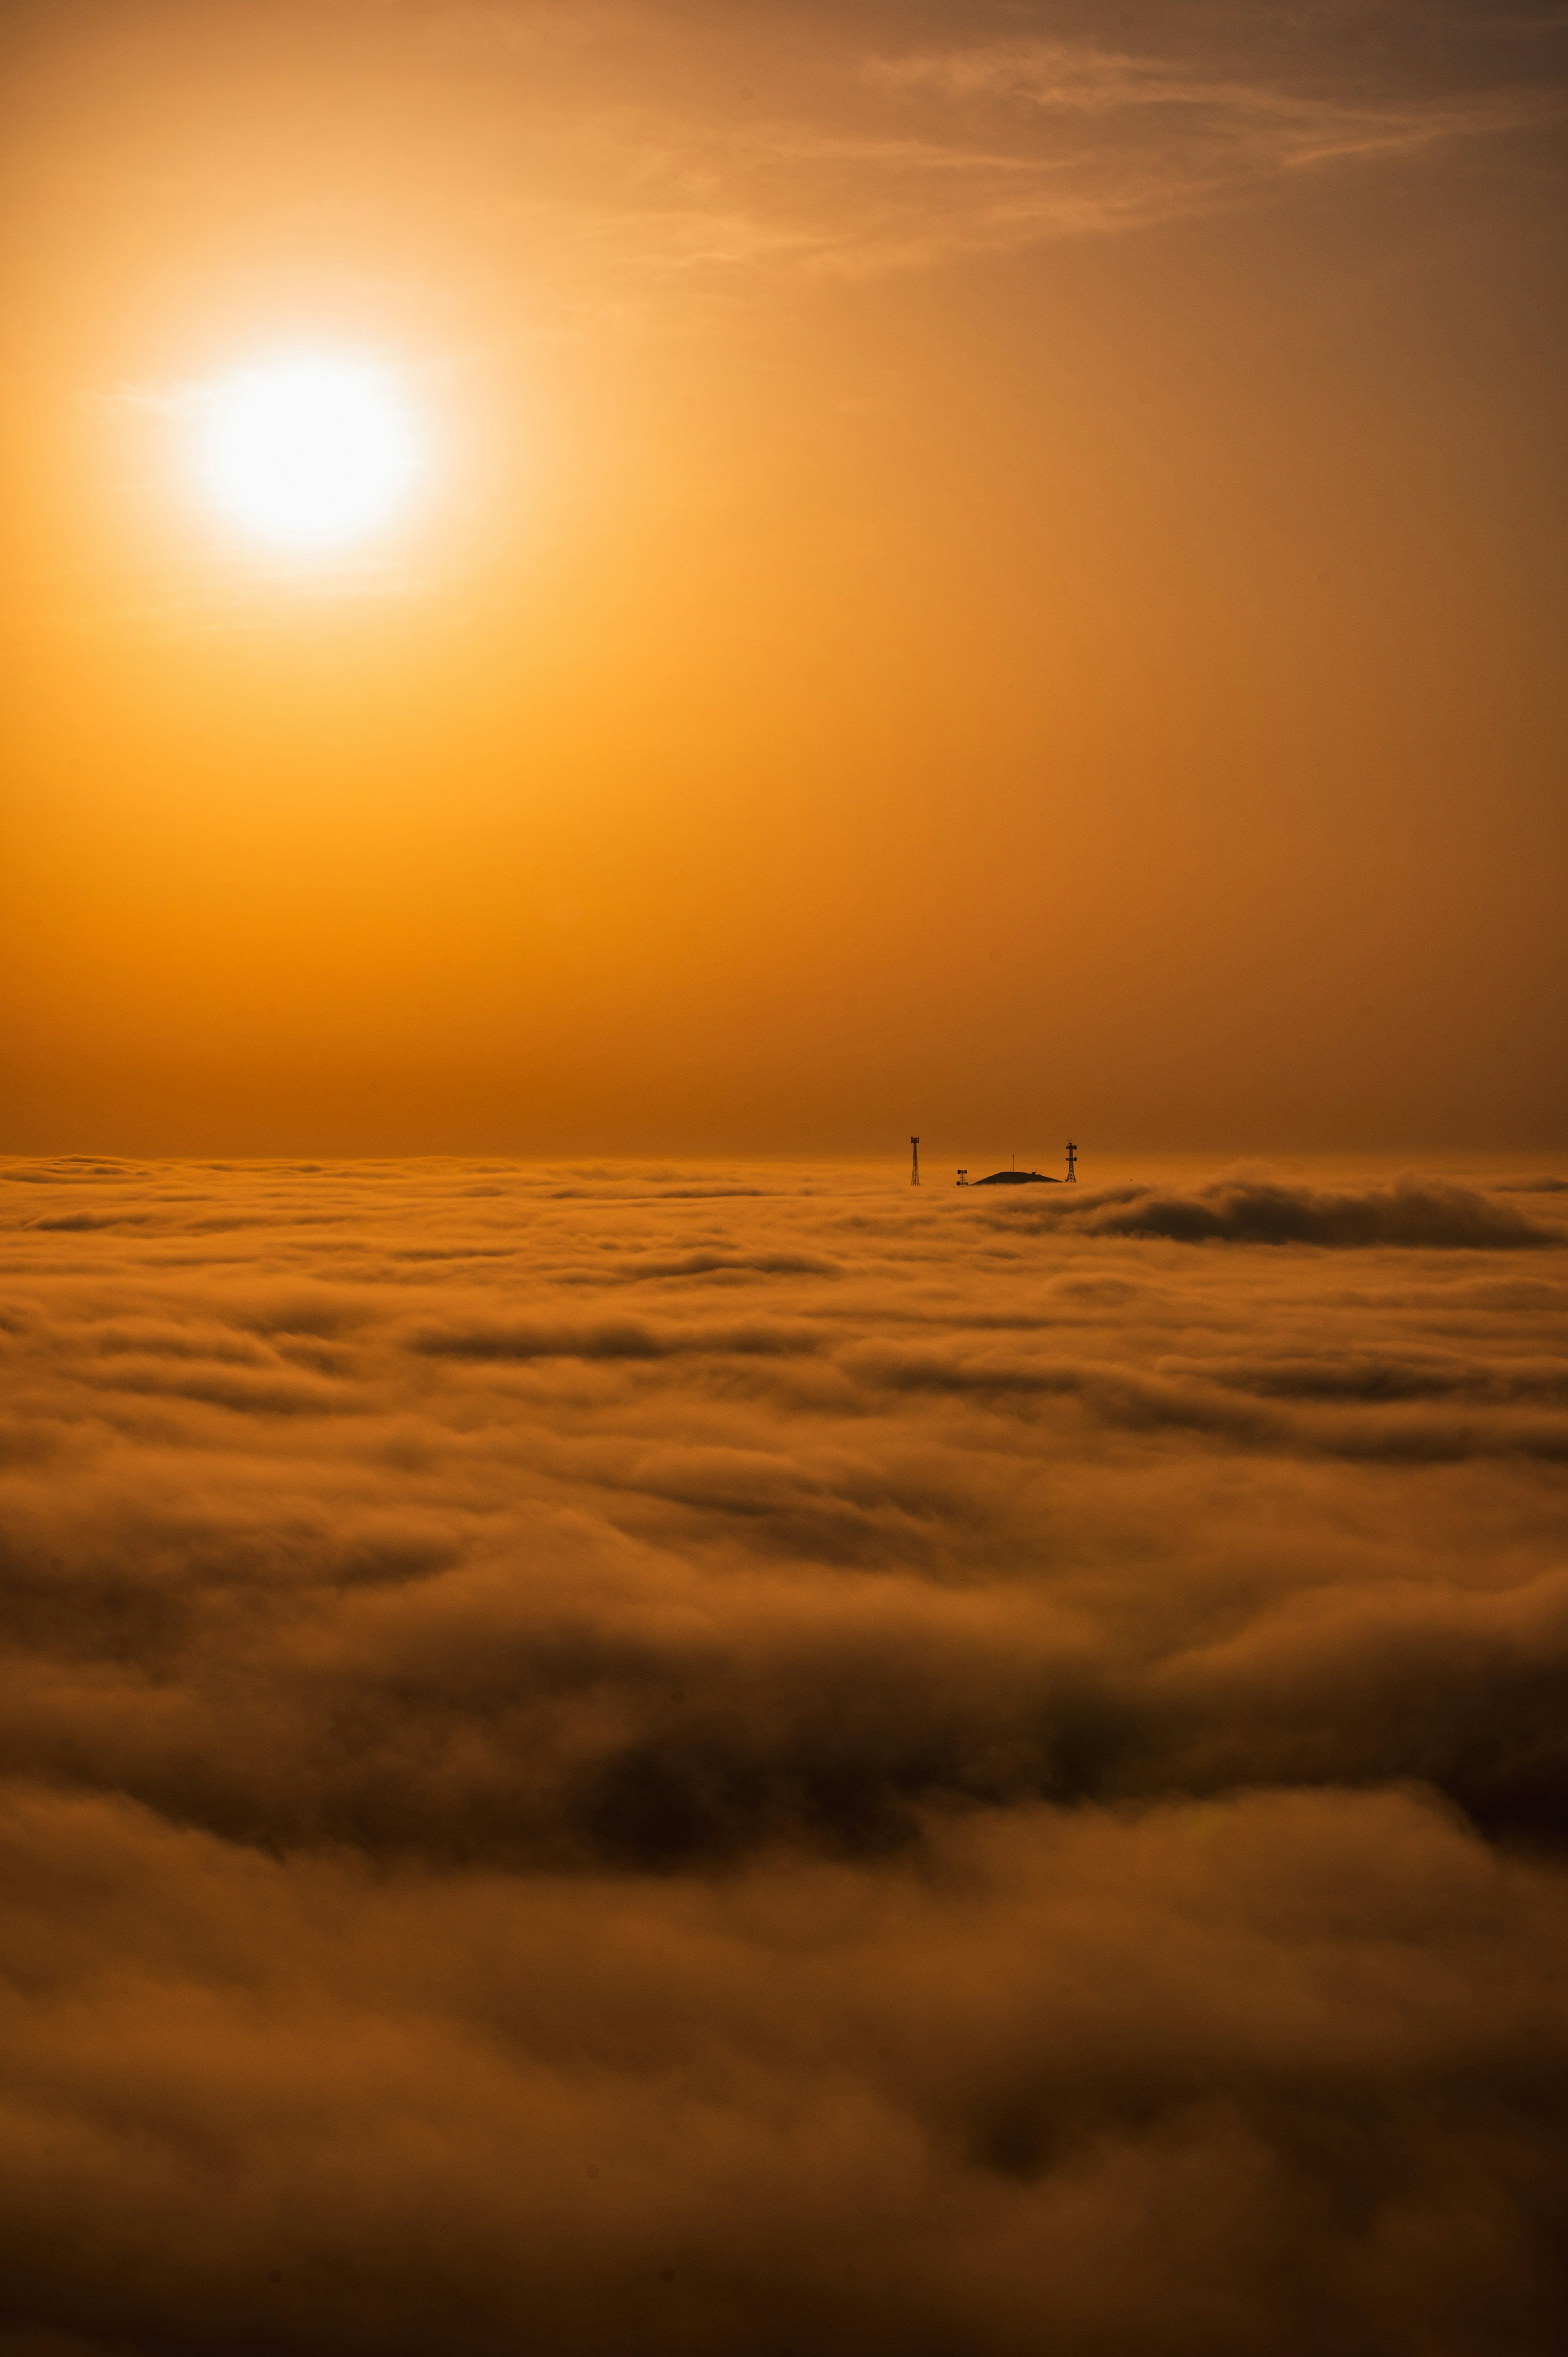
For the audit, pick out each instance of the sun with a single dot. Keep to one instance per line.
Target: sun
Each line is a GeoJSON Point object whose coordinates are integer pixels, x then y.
{"type": "Point", "coordinates": [310, 452]}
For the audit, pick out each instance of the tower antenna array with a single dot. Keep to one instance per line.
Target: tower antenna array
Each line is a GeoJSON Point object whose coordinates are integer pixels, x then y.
{"type": "Point", "coordinates": [1072, 1164]}
{"type": "Point", "coordinates": [914, 1162]}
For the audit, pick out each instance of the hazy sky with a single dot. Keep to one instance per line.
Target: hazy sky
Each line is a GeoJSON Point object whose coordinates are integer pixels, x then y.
{"type": "Point", "coordinates": [983, 569]}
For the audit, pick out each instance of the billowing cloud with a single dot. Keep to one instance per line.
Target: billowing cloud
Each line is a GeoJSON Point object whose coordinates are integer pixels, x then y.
{"type": "Point", "coordinates": [1259, 1209]}
{"type": "Point", "coordinates": [698, 1759]}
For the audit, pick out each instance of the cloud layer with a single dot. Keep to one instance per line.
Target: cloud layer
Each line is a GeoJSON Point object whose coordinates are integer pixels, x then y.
{"type": "Point", "coordinates": [711, 1759]}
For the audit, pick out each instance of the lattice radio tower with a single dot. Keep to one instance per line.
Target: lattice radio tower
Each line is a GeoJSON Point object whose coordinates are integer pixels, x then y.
{"type": "Point", "coordinates": [914, 1162]}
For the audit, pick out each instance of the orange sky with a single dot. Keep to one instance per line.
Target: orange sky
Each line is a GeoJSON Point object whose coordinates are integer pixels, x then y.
{"type": "Point", "coordinates": [988, 570]}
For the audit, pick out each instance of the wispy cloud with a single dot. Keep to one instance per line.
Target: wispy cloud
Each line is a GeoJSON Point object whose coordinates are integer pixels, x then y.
{"type": "Point", "coordinates": [1206, 128]}
{"type": "Point", "coordinates": [888, 159]}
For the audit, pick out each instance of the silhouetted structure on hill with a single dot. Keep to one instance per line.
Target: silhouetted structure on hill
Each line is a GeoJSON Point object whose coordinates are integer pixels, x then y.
{"type": "Point", "coordinates": [1017, 1178]}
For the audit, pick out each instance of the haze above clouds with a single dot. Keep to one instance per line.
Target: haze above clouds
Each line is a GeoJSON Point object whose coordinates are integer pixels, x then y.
{"type": "Point", "coordinates": [706, 1756]}
{"type": "Point", "coordinates": [959, 544]}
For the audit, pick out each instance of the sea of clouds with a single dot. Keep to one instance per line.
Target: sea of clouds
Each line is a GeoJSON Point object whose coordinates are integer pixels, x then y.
{"type": "Point", "coordinates": [737, 1762]}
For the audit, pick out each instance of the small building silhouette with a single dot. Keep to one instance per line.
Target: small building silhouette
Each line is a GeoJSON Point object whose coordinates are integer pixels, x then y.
{"type": "Point", "coordinates": [1013, 1177]}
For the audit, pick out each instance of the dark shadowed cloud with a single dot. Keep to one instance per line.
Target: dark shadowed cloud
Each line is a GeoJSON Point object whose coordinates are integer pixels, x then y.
{"type": "Point", "coordinates": [1259, 1210]}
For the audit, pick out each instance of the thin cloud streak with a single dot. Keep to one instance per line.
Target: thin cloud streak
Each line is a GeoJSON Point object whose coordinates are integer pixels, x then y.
{"type": "Point", "coordinates": [1013, 142]}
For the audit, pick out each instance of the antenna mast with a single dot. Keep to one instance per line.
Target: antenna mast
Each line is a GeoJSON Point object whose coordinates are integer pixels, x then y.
{"type": "Point", "coordinates": [1072, 1164]}
{"type": "Point", "coordinates": [914, 1162]}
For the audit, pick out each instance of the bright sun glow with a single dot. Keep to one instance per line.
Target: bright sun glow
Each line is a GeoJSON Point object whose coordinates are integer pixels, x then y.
{"type": "Point", "coordinates": [310, 452]}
